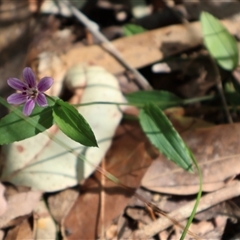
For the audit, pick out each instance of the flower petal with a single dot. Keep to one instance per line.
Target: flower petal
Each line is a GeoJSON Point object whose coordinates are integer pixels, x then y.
{"type": "Point", "coordinates": [44, 84]}
{"type": "Point", "coordinates": [28, 107]}
{"type": "Point", "coordinates": [17, 84]}
{"type": "Point", "coordinates": [17, 98]}
{"type": "Point", "coordinates": [29, 77]}
{"type": "Point", "coordinates": [41, 100]}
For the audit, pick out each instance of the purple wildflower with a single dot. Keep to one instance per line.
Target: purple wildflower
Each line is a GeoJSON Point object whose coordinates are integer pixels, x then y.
{"type": "Point", "coordinates": [30, 92]}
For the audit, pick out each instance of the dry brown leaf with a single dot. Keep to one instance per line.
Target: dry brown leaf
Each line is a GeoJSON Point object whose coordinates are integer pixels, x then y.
{"type": "Point", "coordinates": [101, 200]}
{"type": "Point", "coordinates": [44, 225]}
{"type": "Point", "coordinates": [142, 49]}
{"type": "Point", "coordinates": [19, 205]}
{"type": "Point", "coordinates": [200, 228]}
{"type": "Point", "coordinates": [138, 50]}
{"type": "Point", "coordinates": [183, 123]}
{"type": "Point", "coordinates": [217, 232]}
{"type": "Point", "coordinates": [217, 152]}
{"type": "Point", "coordinates": [20, 232]}
{"type": "Point", "coordinates": [60, 203]}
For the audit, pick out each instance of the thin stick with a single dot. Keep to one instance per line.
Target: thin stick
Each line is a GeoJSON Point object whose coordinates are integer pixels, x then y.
{"type": "Point", "coordinates": [230, 191]}
{"type": "Point", "coordinates": [93, 28]}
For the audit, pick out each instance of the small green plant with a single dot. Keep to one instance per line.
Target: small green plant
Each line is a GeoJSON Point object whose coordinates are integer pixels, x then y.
{"type": "Point", "coordinates": [221, 45]}
{"type": "Point", "coordinates": [15, 126]}
{"type": "Point", "coordinates": [40, 112]}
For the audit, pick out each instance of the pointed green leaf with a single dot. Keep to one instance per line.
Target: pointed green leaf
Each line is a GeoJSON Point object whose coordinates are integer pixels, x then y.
{"type": "Point", "coordinates": [219, 42]}
{"type": "Point", "coordinates": [14, 127]}
{"type": "Point", "coordinates": [163, 136]}
{"type": "Point", "coordinates": [163, 99]}
{"type": "Point", "coordinates": [72, 123]}
{"type": "Point", "coordinates": [132, 29]}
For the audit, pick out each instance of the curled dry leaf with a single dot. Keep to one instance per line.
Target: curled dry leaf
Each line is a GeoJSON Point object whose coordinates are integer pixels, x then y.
{"type": "Point", "coordinates": [217, 154]}
{"type": "Point", "coordinates": [43, 164]}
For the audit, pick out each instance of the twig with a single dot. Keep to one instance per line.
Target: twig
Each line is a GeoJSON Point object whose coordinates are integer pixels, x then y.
{"type": "Point", "coordinates": [93, 28]}
{"type": "Point", "coordinates": [230, 191]}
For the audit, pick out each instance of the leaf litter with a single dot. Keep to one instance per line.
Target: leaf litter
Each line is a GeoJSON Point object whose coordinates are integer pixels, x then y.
{"type": "Point", "coordinates": [127, 160]}
{"type": "Point", "coordinates": [97, 203]}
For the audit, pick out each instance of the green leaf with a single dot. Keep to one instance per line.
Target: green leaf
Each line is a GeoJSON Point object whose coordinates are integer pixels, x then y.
{"type": "Point", "coordinates": [219, 42]}
{"type": "Point", "coordinates": [14, 127]}
{"type": "Point", "coordinates": [132, 29]}
{"type": "Point", "coordinates": [163, 99]}
{"type": "Point", "coordinates": [163, 136]}
{"type": "Point", "coordinates": [72, 123]}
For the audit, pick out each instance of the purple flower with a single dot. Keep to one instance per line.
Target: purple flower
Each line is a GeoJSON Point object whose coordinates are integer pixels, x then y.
{"type": "Point", "coordinates": [29, 91]}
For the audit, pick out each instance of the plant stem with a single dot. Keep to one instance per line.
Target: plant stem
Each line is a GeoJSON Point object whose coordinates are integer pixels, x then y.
{"type": "Point", "coordinates": [220, 90]}
{"type": "Point", "coordinates": [185, 231]}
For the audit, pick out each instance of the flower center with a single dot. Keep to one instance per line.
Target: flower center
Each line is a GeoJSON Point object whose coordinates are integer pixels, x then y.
{"type": "Point", "coordinates": [30, 92]}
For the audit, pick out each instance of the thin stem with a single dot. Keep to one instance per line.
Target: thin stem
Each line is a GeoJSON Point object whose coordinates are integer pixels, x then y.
{"type": "Point", "coordinates": [185, 231]}
{"type": "Point", "coordinates": [198, 99]}
{"type": "Point", "coordinates": [141, 105]}
{"type": "Point", "coordinates": [220, 90]}
{"type": "Point", "coordinates": [109, 103]}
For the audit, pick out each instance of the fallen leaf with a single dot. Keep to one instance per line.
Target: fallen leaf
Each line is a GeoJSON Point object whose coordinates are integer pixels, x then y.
{"type": "Point", "coordinates": [217, 155]}
{"type": "Point", "coordinates": [220, 226]}
{"type": "Point", "coordinates": [44, 225]}
{"type": "Point", "coordinates": [60, 203]}
{"type": "Point", "coordinates": [19, 205]}
{"type": "Point", "coordinates": [138, 50]}
{"type": "Point", "coordinates": [21, 231]}
{"type": "Point", "coordinates": [101, 200]}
